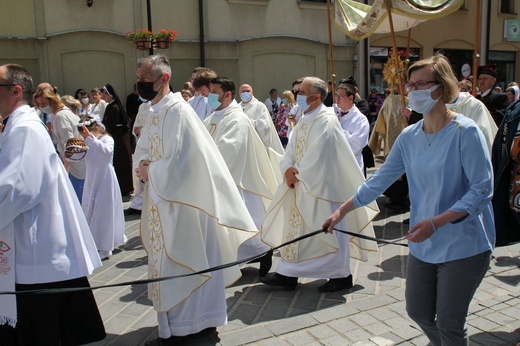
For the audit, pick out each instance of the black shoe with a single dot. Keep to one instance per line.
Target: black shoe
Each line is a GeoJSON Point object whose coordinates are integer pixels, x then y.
{"type": "Point", "coordinates": [182, 340]}
{"type": "Point", "coordinates": [132, 211]}
{"type": "Point", "coordinates": [265, 264]}
{"type": "Point", "coordinates": [334, 285]}
{"type": "Point", "coordinates": [288, 283]}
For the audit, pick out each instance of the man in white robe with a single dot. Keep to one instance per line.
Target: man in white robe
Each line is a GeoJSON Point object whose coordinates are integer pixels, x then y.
{"type": "Point", "coordinates": [320, 171]}
{"type": "Point", "coordinates": [246, 158]}
{"type": "Point", "coordinates": [472, 108]}
{"type": "Point", "coordinates": [354, 123]}
{"type": "Point", "coordinates": [193, 217]}
{"type": "Point", "coordinates": [199, 102]}
{"type": "Point", "coordinates": [261, 119]}
{"type": "Point", "coordinates": [45, 241]}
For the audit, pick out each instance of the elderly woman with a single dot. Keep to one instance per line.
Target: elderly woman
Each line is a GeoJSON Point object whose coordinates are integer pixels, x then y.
{"type": "Point", "coordinates": [116, 123]}
{"type": "Point", "coordinates": [513, 93]}
{"type": "Point", "coordinates": [449, 172]}
{"type": "Point", "coordinates": [64, 126]}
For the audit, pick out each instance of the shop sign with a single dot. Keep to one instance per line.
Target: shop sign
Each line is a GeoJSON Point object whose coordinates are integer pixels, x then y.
{"type": "Point", "coordinates": [512, 30]}
{"type": "Point", "coordinates": [502, 56]}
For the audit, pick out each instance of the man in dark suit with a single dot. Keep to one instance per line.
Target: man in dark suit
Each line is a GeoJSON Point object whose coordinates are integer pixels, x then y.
{"type": "Point", "coordinates": [495, 102]}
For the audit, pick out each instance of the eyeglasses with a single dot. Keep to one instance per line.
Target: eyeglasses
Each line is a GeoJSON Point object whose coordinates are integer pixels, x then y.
{"type": "Point", "coordinates": [419, 85]}
{"type": "Point", "coordinates": [7, 85]}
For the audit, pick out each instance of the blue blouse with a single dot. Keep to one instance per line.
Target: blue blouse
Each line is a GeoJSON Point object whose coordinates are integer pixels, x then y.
{"type": "Point", "coordinates": [448, 170]}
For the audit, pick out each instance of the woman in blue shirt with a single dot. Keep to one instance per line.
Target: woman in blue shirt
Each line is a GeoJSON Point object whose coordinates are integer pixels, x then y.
{"type": "Point", "coordinates": [451, 183]}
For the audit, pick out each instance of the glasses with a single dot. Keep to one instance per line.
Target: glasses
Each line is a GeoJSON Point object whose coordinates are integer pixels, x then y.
{"type": "Point", "coordinates": [419, 85]}
{"type": "Point", "coordinates": [7, 85]}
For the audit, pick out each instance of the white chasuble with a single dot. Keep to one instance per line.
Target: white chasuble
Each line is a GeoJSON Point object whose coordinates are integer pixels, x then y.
{"type": "Point", "coordinates": [328, 176]}
{"type": "Point", "coordinates": [264, 126]}
{"type": "Point", "coordinates": [190, 193]}
{"type": "Point", "coordinates": [245, 155]}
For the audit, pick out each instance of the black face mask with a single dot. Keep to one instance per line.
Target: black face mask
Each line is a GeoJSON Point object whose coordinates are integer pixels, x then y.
{"type": "Point", "coordinates": [295, 92]}
{"type": "Point", "coordinates": [145, 90]}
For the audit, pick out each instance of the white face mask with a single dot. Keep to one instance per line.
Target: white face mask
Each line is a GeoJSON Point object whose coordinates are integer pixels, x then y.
{"type": "Point", "coordinates": [84, 100]}
{"type": "Point", "coordinates": [46, 109]}
{"type": "Point", "coordinates": [421, 100]}
{"type": "Point", "coordinates": [245, 96]}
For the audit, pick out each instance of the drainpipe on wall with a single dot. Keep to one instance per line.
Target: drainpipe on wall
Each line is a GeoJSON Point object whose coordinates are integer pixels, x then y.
{"type": "Point", "coordinates": [201, 29]}
{"type": "Point", "coordinates": [149, 19]}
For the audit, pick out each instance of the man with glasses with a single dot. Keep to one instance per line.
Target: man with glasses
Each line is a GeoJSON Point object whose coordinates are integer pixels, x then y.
{"type": "Point", "coordinates": [319, 168]}
{"type": "Point", "coordinates": [43, 222]}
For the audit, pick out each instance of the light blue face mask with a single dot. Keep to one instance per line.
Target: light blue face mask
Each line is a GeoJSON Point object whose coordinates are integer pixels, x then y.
{"type": "Point", "coordinates": [301, 100]}
{"type": "Point", "coordinates": [246, 96]}
{"type": "Point", "coordinates": [213, 101]}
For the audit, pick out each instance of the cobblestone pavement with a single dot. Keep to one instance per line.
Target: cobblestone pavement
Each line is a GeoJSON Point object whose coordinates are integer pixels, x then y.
{"type": "Point", "coordinates": [371, 313]}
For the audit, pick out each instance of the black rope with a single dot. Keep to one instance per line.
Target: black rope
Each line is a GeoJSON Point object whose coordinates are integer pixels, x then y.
{"type": "Point", "coordinates": [219, 267]}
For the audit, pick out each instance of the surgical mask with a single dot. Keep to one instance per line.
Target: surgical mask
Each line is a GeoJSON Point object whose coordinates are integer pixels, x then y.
{"type": "Point", "coordinates": [46, 109]}
{"type": "Point", "coordinates": [421, 100]}
{"type": "Point", "coordinates": [145, 90]}
{"type": "Point", "coordinates": [213, 101]}
{"type": "Point", "coordinates": [84, 100]}
{"type": "Point", "coordinates": [246, 96]}
{"type": "Point", "coordinates": [301, 100]}
{"type": "Point", "coordinates": [284, 101]}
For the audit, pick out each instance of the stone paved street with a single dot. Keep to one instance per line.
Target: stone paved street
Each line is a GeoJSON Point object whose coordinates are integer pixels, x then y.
{"type": "Point", "coordinates": [372, 313]}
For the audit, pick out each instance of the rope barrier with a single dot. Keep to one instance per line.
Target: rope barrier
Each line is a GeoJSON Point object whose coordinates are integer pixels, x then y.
{"type": "Point", "coordinates": [219, 267]}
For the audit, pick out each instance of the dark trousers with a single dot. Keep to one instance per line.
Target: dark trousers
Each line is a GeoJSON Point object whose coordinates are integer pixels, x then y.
{"type": "Point", "coordinates": [438, 296]}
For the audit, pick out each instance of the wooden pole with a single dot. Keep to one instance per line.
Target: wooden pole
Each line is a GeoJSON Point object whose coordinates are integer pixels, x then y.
{"type": "Point", "coordinates": [476, 54]}
{"type": "Point", "coordinates": [407, 60]}
{"type": "Point", "coordinates": [394, 53]}
{"type": "Point", "coordinates": [331, 52]}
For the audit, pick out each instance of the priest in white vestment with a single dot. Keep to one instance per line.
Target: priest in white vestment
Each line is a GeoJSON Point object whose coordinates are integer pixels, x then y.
{"type": "Point", "coordinates": [244, 153]}
{"type": "Point", "coordinates": [261, 119]}
{"type": "Point", "coordinates": [320, 170]}
{"type": "Point", "coordinates": [473, 108]}
{"type": "Point", "coordinates": [45, 241]}
{"type": "Point", "coordinates": [193, 216]}
{"type": "Point", "coordinates": [199, 102]}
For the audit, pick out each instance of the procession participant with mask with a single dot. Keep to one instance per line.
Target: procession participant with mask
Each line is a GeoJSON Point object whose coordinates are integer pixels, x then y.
{"type": "Point", "coordinates": [193, 217]}
{"type": "Point", "coordinates": [246, 157]}
{"type": "Point", "coordinates": [64, 127]}
{"type": "Point", "coordinates": [450, 176]}
{"type": "Point", "coordinates": [264, 126]}
{"type": "Point", "coordinates": [320, 171]}
{"type": "Point", "coordinates": [200, 78]}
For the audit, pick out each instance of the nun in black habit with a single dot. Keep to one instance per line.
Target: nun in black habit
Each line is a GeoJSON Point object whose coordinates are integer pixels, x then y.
{"type": "Point", "coordinates": [117, 125]}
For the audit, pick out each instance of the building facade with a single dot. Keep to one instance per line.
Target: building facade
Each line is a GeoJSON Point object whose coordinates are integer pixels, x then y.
{"type": "Point", "coordinates": [266, 43]}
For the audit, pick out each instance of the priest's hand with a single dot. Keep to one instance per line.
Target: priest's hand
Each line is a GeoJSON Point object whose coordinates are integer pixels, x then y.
{"type": "Point", "coordinates": [142, 170]}
{"type": "Point", "coordinates": [290, 177]}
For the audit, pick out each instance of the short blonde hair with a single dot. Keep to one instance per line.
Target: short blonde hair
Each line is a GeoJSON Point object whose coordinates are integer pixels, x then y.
{"type": "Point", "coordinates": [442, 72]}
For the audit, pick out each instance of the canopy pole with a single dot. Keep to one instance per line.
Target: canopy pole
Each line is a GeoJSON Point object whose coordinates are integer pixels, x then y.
{"type": "Point", "coordinates": [476, 54]}
{"type": "Point", "coordinates": [407, 60]}
{"type": "Point", "coordinates": [331, 53]}
{"type": "Point", "coordinates": [394, 53]}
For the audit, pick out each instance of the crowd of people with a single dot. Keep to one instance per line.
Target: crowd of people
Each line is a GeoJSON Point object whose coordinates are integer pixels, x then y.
{"type": "Point", "coordinates": [244, 177]}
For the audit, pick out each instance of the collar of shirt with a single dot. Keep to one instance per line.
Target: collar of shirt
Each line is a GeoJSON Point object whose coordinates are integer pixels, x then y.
{"type": "Point", "coordinates": [485, 93]}
{"type": "Point", "coordinates": [223, 110]}
{"type": "Point", "coordinates": [159, 105]}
